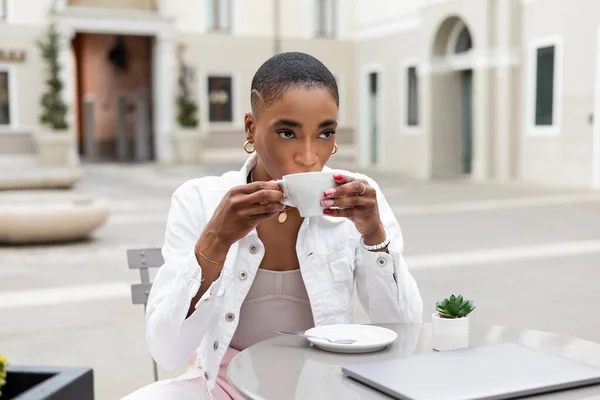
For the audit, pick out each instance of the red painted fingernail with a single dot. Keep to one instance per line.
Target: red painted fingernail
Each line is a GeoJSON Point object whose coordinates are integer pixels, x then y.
{"type": "Point", "coordinates": [328, 192]}
{"type": "Point", "coordinates": [328, 212]}
{"type": "Point", "coordinates": [338, 177]}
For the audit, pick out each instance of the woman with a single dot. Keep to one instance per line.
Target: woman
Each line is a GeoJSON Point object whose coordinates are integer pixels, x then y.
{"type": "Point", "coordinates": [239, 264]}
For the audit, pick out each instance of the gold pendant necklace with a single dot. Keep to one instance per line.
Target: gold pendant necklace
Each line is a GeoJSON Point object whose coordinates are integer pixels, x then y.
{"type": "Point", "coordinates": [282, 217]}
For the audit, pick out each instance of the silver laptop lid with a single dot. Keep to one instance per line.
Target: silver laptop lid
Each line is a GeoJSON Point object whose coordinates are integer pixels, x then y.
{"type": "Point", "coordinates": [499, 371]}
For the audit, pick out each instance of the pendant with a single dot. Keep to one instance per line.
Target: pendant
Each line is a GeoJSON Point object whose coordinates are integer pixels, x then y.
{"type": "Point", "coordinates": [282, 217]}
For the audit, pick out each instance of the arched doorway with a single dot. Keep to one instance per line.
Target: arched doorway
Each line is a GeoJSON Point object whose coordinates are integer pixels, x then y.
{"type": "Point", "coordinates": [452, 100]}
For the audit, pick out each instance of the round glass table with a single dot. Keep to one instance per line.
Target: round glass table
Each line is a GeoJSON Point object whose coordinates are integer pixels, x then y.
{"type": "Point", "coordinates": [288, 367]}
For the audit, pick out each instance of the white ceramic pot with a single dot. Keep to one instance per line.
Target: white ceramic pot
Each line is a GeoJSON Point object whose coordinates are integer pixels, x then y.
{"type": "Point", "coordinates": [187, 144]}
{"type": "Point", "coordinates": [449, 333]}
{"type": "Point", "coordinates": [54, 148]}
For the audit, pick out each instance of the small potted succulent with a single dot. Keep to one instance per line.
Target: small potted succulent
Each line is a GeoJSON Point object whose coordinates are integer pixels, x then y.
{"type": "Point", "coordinates": [450, 323]}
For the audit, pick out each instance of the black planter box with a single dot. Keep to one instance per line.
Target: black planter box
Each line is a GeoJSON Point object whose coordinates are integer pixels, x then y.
{"type": "Point", "coordinates": [48, 383]}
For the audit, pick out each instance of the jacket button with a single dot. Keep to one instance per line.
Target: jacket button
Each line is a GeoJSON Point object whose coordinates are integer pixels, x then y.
{"type": "Point", "coordinates": [382, 262]}
{"type": "Point", "coordinates": [230, 317]}
{"type": "Point", "coordinates": [206, 375]}
{"type": "Point", "coordinates": [216, 345]}
{"type": "Point", "coordinates": [253, 249]}
{"type": "Point", "coordinates": [243, 275]}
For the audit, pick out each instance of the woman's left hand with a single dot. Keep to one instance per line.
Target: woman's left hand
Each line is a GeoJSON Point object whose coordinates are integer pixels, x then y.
{"type": "Point", "coordinates": [357, 201]}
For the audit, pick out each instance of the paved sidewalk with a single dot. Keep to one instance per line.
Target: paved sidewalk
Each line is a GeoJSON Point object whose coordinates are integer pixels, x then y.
{"type": "Point", "coordinates": [527, 256]}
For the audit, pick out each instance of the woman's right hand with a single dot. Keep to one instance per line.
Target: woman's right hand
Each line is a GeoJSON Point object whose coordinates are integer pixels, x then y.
{"type": "Point", "coordinates": [240, 211]}
{"type": "Point", "coordinates": [243, 208]}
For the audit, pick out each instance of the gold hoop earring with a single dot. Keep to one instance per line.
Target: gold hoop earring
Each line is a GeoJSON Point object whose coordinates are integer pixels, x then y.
{"type": "Point", "coordinates": [335, 148]}
{"type": "Point", "coordinates": [246, 147]}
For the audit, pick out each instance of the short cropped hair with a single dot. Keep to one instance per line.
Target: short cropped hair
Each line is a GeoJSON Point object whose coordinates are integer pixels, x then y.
{"type": "Point", "coordinates": [286, 70]}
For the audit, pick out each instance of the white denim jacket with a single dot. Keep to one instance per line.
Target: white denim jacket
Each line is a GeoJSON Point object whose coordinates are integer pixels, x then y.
{"type": "Point", "coordinates": [331, 260]}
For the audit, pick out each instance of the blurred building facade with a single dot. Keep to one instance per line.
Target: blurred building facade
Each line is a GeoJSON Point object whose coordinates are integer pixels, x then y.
{"type": "Point", "coordinates": [486, 89]}
{"type": "Point", "coordinates": [478, 89]}
{"type": "Point", "coordinates": [127, 51]}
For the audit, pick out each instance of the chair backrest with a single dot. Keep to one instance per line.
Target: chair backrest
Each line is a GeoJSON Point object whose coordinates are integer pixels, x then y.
{"type": "Point", "coordinates": [143, 259]}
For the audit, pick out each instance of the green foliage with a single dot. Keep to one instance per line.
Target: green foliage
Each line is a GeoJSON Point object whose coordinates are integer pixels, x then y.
{"type": "Point", "coordinates": [454, 307]}
{"type": "Point", "coordinates": [187, 107]}
{"type": "Point", "coordinates": [54, 109]}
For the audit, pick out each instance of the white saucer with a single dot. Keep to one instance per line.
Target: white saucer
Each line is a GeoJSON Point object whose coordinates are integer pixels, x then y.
{"type": "Point", "coordinates": [368, 338]}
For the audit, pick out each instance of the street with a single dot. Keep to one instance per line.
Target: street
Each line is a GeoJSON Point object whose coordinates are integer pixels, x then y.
{"type": "Point", "coordinates": [527, 256]}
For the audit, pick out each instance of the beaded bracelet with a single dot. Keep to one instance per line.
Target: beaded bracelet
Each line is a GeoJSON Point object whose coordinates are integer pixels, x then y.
{"type": "Point", "coordinates": [378, 246]}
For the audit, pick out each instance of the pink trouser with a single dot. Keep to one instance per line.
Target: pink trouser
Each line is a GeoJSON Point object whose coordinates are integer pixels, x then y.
{"type": "Point", "coordinates": [190, 386]}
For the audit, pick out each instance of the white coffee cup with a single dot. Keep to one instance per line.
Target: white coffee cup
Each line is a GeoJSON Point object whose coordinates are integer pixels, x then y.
{"type": "Point", "coordinates": [305, 191]}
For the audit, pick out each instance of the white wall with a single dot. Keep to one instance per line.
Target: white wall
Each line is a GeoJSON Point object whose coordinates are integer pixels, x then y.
{"type": "Point", "coordinates": [189, 15]}
{"type": "Point", "coordinates": [30, 12]}
{"type": "Point", "coordinates": [296, 19]}
{"type": "Point", "coordinates": [253, 18]}
{"type": "Point", "coordinates": [370, 13]}
{"type": "Point", "coordinates": [346, 20]}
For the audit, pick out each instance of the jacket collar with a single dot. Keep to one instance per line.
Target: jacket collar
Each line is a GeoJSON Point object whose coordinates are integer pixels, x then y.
{"type": "Point", "coordinates": [248, 165]}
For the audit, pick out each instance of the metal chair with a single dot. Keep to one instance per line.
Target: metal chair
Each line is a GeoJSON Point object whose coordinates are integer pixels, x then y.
{"type": "Point", "coordinates": [143, 259]}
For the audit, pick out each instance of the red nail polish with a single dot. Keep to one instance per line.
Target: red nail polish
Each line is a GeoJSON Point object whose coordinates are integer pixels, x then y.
{"type": "Point", "coordinates": [329, 192]}
{"type": "Point", "coordinates": [328, 212]}
{"type": "Point", "coordinates": [338, 177]}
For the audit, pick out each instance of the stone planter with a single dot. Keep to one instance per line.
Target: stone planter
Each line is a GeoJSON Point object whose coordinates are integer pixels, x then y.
{"type": "Point", "coordinates": [50, 219]}
{"type": "Point", "coordinates": [48, 383]}
{"type": "Point", "coordinates": [55, 148]}
{"type": "Point", "coordinates": [449, 333]}
{"type": "Point", "coordinates": [187, 146]}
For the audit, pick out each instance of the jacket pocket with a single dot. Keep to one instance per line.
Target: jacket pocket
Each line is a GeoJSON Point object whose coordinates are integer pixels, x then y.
{"type": "Point", "coordinates": [342, 287]}
{"type": "Point", "coordinates": [341, 269]}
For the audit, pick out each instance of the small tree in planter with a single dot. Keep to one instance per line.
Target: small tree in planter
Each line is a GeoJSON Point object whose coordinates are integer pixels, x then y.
{"type": "Point", "coordinates": [187, 139]}
{"type": "Point", "coordinates": [187, 107]}
{"type": "Point", "coordinates": [450, 323]}
{"type": "Point", "coordinates": [55, 142]}
{"type": "Point", "coordinates": [54, 108]}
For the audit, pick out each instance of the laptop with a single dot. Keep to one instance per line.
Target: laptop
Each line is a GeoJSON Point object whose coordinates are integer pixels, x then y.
{"type": "Point", "coordinates": [498, 371]}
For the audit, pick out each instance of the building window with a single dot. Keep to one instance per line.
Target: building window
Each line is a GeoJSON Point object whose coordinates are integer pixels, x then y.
{"type": "Point", "coordinates": [412, 97]}
{"type": "Point", "coordinates": [463, 41]}
{"type": "Point", "coordinates": [219, 15]}
{"type": "Point", "coordinates": [326, 17]}
{"type": "Point", "coordinates": [220, 99]}
{"type": "Point", "coordinates": [544, 86]}
{"type": "Point", "coordinates": [3, 9]}
{"type": "Point", "coordinates": [4, 98]}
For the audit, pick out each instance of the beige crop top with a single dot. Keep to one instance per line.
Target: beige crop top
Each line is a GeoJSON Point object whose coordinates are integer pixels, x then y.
{"type": "Point", "coordinates": [277, 300]}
